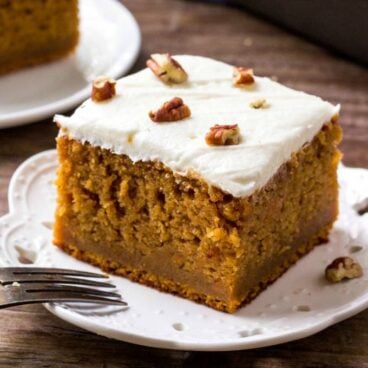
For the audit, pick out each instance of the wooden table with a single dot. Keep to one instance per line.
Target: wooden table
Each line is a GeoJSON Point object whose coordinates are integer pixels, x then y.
{"type": "Point", "coordinates": [31, 337]}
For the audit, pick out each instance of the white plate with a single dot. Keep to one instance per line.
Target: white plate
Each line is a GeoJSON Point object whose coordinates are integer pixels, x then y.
{"type": "Point", "coordinates": [162, 320]}
{"type": "Point", "coordinates": [109, 44]}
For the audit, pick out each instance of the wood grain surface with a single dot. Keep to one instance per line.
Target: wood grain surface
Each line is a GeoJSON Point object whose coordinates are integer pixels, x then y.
{"type": "Point", "coordinates": [31, 337]}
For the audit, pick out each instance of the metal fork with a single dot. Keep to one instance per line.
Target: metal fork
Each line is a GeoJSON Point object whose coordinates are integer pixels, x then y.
{"type": "Point", "coordinates": [27, 285]}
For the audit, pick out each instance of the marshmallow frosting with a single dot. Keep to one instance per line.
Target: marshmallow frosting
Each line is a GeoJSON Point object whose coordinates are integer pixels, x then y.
{"type": "Point", "coordinates": [269, 136]}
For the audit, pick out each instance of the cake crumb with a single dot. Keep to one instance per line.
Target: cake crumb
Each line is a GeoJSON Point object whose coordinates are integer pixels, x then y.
{"type": "Point", "coordinates": [356, 248]}
{"type": "Point", "coordinates": [130, 138]}
{"type": "Point", "coordinates": [302, 308]}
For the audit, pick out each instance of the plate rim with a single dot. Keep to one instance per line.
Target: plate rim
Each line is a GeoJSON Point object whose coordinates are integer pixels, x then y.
{"type": "Point", "coordinates": [84, 323]}
{"type": "Point", "coordinates": [33, 114]}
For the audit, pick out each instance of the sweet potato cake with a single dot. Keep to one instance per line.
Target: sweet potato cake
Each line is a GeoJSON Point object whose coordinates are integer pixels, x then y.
{"type": "Point", "coordinates": [197, 178]}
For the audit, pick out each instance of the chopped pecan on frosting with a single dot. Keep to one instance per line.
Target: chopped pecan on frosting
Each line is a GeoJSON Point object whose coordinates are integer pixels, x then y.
{"type": "Point", "coordinates": [223, 135]}
{"type": "Point", "coordinates": [103, 88]}
{"type": "Point", "coordinates": [335, 118]}
{"type": "Point", "coordinates": [165, 67]}
{"type": "Point", "coordinates": [260, 103]}
{"type": "Point", "coordinates": [172, 110]}
{"type": "Point", "coordinates": [243, 76]}
{"type": "Point", "coordinates": [343, 268]}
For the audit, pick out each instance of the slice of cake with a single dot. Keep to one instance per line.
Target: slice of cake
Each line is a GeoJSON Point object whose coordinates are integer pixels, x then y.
{"type": "Point", "coordinates": [36, 31]}
{"type": "Point", "coordinates": [197, 178]}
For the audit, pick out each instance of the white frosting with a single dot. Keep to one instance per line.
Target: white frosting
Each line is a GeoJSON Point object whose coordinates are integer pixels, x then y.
{"type": "Point", "coordinates": [268, 136]}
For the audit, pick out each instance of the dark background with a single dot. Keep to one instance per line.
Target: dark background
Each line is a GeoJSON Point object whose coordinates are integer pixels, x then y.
{"type": "Point", "coordinates": [339, 25]}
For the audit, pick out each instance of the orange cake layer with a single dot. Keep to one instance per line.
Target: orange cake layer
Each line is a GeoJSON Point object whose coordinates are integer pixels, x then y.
{"type": "Point", "coordinates": [36, 31]}
{"type": "Point", "coordinates": [182, 235]}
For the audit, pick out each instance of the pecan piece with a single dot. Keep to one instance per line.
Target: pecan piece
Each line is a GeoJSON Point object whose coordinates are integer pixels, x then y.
{"type": "Point", "coordinates": [172, 110]}
{"type": "Point", "coordinates": [223, 135]}
{"type": "Point", "coordinates": [260, 103]}
{"type": "Point", "coordinates": [103, 88]}
{"type": "Point", "coordinates": [165, 67]}
{"type": "Point", "coordinates": [335, 119]}
{"type": "Point", "coordinates": [343, 268]}
{"type": "Point", "coordinates": [243, 76]}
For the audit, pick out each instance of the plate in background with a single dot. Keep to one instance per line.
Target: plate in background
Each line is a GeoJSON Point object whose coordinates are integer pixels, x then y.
{"type": "Point", "coordinates": [109, 44]}
{"type": "Point", "coordinates": [300, 303]}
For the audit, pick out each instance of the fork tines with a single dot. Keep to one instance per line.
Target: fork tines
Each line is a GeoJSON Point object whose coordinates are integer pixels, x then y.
{"type": "Point", "coordinates": [24, 285]}
{"type": "Point", "coordinates": [53, 271]}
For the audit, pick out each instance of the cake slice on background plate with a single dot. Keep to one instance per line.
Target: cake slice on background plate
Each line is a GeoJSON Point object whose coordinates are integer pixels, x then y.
{"type": "Point", "coordinates": [36, 31]}
{"type": "Point", "coordinates": [197, 178]}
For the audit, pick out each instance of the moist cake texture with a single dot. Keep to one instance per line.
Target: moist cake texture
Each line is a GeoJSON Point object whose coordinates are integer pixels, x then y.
{"type": "Point", "coordinates": [36, 31]}
{"type": "Point", "coordinates": [216, 224]}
